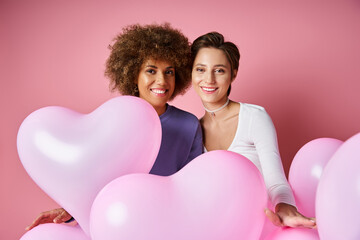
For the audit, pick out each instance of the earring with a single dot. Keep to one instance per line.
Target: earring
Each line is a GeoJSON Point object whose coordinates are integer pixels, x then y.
{"type": "Point", "coordinates": [136, 89]}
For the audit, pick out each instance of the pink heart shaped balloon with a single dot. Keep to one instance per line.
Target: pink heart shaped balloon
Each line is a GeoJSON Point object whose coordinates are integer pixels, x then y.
{"type": "Point", "coordinates": [219, 195]}
{"type": "Point", "coordinates": [52, 231]}
{"type": "Point", "coordinates": [72, 156]}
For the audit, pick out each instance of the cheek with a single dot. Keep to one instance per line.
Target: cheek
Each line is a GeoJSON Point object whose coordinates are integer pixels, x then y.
{"type": "Point", "coordinates": [141, 80]}
{"type": "Point", "coordinates": [225, 80]}
{"type": "Point", "coordinates": [195, 79]}
{"type": "Point", "coordinates": [195, 84]}
{"type": "Point", "coordinates": [172, 84]}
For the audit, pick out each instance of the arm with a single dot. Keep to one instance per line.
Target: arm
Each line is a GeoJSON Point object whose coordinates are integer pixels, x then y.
{"type": "Point", "coordinates": [265, 140]}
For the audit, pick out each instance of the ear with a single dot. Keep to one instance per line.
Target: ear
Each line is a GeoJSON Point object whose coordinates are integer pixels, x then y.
{"type": "Point", "coordinates": [234, 75]}
{"type": "Point", "coordinates": [136, 88]}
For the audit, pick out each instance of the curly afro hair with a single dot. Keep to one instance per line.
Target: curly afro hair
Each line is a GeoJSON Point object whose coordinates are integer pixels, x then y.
{"type": "Point", "coordinates": [136, 44]}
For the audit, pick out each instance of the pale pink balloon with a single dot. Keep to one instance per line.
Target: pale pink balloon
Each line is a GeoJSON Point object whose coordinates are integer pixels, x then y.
{"type": "Point", "coordinates": [52, 231]}
{"type": "Point", "coordinates": [338, 194]}
{"type": "Point", "coordinates": [219, 195]}
{"type": "Point", "coordinates": [306, 169]}
{"type": "Point", "coordinates": [72, 156]}
{"type": "Point", "coordinates": [294, 234]}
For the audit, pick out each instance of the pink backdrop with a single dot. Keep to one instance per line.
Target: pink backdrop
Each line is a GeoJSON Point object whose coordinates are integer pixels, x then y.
{"type": "Point", "coordinates": [300, 60]}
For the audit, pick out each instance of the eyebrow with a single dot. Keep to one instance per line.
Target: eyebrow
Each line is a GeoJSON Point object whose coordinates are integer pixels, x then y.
{"type": "Point", "coordinates": [220, 65]}
{"type": "Point", "coordinates": [217, 65]}
{"type": "Point", "coordinates": [153, 66]}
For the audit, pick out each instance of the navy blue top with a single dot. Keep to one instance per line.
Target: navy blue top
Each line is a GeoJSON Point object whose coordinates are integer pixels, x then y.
{"type": "Point", "coordinates": [181, 141]}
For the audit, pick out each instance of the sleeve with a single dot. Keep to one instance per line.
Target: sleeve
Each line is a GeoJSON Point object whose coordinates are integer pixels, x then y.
{"type": "Point", "coordinates": [197, 145]}
{"type": "Point", "coordinates": [264, 135]}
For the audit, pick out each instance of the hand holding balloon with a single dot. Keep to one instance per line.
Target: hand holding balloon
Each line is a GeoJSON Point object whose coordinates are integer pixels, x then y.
{"type": "Point", "coordinates": [287, 215]}
{"type": "Point", "coordinates": [58, 215]}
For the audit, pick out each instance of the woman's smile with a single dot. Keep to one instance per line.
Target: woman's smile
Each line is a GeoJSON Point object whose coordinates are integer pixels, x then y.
{"type": "Point", "coordinates": [159, 92]}
{"type": "Point", "coordinates": [209, 90]}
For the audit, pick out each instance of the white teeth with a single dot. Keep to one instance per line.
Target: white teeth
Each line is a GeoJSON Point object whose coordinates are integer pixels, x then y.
{"type": "Point", "coordinates": [209, 89]}
{"type": "Point", "coordinates": [158, 91]}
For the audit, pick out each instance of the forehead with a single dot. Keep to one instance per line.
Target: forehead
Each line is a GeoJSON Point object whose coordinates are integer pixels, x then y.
{"type": "Point", "coordinates": [157, 62]}
{"type": "Point", "coordinates": [211, 56]}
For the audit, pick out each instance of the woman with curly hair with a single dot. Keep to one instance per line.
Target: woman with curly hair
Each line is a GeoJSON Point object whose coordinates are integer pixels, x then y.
{"type": "Point", "coordinates": [153, 62]}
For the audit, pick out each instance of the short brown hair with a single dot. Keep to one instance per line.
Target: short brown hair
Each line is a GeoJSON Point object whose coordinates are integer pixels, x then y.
{"type": "Point", "coordinates": [216, 40]}
{"type": "Point", "coordinates": [136, 44]}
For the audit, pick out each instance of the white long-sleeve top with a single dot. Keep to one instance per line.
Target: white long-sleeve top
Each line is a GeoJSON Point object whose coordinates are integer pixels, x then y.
{"type": "Point", "coordinates": [256, 140]}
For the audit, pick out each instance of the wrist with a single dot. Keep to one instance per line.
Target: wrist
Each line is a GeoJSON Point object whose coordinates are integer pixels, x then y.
{"type": "Point", "coordinates": [70, 220]}
{"type": "Point", "coordinates": [284, 206]}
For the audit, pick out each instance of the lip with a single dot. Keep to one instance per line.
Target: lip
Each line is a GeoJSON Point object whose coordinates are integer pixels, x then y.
{"type": "Point", "coordinates": [209, 90]}
{"type": "Point", "coordinates": [159, 92]}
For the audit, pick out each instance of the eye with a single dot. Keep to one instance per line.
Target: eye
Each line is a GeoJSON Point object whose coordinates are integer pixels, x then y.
{"type": "Point", "coordinates": [219, 70]}
{"type": "Point", "coordinates": [200, 70]}
{"type": "Point", "coordinates": [169, 72]}
{"type": "Point", "coordinates": [151, 71]}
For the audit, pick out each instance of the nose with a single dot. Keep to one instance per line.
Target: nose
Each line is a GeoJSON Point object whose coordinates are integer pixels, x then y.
{"type": "Point", "coordinates": [160, 79]}
{"type": "Point", "coordinates": [209, 78]}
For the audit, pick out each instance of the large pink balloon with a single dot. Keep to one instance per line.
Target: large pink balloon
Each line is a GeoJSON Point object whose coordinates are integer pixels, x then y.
{"type": "Point", "coordinates": [72, 156]}
{"type": "Point", "coordinates": [306, 169]}
{"type": "Point", "coordinates": [52, 231]}
{"type": "Point", "coordinates": [338, 194]}
{"type": "Point", "coordinates": [294, 234]}
{"type": "Point", "coordinates": [219, 195]}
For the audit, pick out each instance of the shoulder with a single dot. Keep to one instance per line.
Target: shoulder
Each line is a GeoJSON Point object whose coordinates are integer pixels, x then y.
{"type": "Point", "coordinates": [183, 115]}
{"type": "Point", "coordinates": [183, 123]}
{"type": "Point", "coordinates": [254, 112]}
{"type": "Point", "coordinates": [252, 107]}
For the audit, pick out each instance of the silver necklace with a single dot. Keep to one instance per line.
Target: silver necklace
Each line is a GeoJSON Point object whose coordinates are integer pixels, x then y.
{"type": "Point", "coordinates": [212, 112]}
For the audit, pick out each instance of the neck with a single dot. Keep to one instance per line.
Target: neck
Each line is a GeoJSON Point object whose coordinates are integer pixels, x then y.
{"type": "Point", "coordinates": [160, 110]}
{"type": "Point", "coordinates": [213, 111]}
